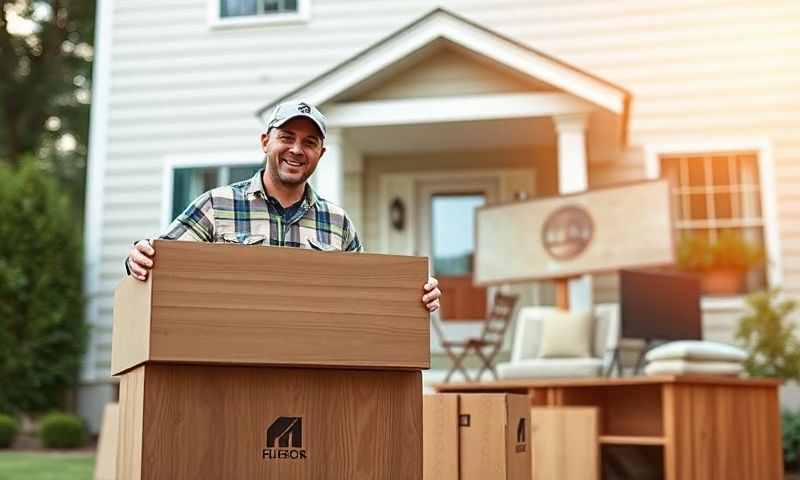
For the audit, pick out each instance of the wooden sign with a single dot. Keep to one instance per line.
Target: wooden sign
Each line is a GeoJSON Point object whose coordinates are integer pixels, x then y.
{"type": "Point", "coordinates": [590, 232]}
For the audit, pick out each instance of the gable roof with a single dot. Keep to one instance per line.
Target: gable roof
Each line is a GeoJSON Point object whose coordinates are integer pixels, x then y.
{"type": "Point", "coordinates": [442, 24]}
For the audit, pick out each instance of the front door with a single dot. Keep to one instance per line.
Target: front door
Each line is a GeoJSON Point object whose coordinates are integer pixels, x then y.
{"type": "Point", "coordinates": [448, 239]}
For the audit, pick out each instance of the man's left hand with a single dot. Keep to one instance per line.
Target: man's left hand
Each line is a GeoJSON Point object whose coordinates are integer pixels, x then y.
{"type": "Point", "coordinates": [432, 294]}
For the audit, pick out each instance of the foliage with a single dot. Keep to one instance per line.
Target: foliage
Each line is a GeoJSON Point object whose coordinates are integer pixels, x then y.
{"type": "Point", "coordinates": [790, 426]}
{"type": "Point", "coordinates": [8, 430]}
{"type": "Point", "coordinates": [45, 79]}
{"type": "Point", "coordinates": [42, 332]}
{"type": "Point", "coordinates": [729, 252]}
{"type": "Point", "coordinates": [768, 335]}
{"type": "Point", "coordinates": [61, 430]}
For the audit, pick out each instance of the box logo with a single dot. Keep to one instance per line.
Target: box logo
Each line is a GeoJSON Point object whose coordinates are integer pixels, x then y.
{"type": "Point", "coordinates": [521, 434]}
{"type": "Point", "coordinates": [285, 440]}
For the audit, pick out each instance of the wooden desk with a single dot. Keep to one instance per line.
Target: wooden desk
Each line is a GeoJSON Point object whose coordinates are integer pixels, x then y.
{"type": "Point", "coordinates": [710, 427]}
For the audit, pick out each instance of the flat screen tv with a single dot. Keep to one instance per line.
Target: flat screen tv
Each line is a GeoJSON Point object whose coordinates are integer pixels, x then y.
{"type": "Point", "coordinates": [660, 306]}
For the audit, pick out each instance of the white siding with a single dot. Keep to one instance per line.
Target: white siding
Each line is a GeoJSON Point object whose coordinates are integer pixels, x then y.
{"type": "Point", "coordinates": [696, 68]}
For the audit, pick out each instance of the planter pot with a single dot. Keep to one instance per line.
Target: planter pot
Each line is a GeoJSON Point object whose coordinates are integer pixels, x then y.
{"type": "Point", "coordinates": [723, 282]}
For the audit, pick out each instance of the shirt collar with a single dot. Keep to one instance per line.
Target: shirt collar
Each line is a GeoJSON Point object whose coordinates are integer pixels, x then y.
{"type": "Point", "coordinates": [256, 187]}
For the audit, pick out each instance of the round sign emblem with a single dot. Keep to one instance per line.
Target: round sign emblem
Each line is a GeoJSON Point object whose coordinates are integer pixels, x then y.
{"type": "Point", "coordinates": [567, 232]}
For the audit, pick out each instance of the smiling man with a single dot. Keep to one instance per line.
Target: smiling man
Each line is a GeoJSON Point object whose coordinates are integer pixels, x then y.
{"type": "Point", "coordinates": [277, 206]}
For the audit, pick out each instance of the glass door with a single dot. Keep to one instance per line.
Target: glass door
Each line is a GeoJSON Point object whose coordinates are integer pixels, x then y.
{"type": "Point", "coordinates": [453, 253]}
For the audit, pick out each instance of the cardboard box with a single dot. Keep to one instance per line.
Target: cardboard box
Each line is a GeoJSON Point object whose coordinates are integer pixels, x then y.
{"type": "Point", "coordinates": [476, 436]}
{"type": "Point", "coordinates": [200, 422]}
{"type": "Point", "coordinates": [238, 305]}
{"type": "Point", "coordinates": [256, 363]}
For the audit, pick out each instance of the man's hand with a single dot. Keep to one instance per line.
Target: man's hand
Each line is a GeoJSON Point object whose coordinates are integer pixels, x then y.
{"type": "Point", "coordinates": [432, 295]}
{"type": "Point", "coordinates": [140, 259]}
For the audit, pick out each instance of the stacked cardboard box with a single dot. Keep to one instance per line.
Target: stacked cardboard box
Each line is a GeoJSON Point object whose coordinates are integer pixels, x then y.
{"type": "Point", "coordinates": [476, 436]}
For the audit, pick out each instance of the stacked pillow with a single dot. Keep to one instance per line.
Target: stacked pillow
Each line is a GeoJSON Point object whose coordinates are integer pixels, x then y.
{"type": "Point", "coordinates": [695, 357]}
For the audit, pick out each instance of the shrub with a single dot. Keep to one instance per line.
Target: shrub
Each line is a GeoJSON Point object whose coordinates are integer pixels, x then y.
{"type": "Point", "coordinates": [790, 426]}
{"type": "Point", "coordinates": [60, 430]}
{"type": "Point", "coordinates": [768, 335]}
{"type": "Point", "coordinates": [42, 332]}
{"type": "Point", "coordinates": [8, 430]}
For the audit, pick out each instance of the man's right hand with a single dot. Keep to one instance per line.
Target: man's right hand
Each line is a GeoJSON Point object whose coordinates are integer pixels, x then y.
{"type": "Point", "coordinates": [140, 259]}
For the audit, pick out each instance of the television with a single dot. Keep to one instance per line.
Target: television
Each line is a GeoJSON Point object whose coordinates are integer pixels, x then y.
{"type": "Point", "coordinates": [660, 306]}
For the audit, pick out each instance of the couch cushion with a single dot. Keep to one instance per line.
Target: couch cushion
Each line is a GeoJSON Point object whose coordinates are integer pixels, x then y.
{"type": "Point", "coordinates": [551, 368]}
{"type": "Point", "coordinates": [696, 350]}
{"type": "Point", "coordinates": [566, 335]}
{"type": "Point", "coordinates": [682, 367]}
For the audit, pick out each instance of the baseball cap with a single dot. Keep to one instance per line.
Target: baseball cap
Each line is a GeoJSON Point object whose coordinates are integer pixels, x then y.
{"type": "Point", "coordinates": [286, 111]}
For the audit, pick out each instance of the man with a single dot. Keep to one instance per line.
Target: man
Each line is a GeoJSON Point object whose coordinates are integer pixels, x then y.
{"type": "Point", "coordinates": [276, 206]}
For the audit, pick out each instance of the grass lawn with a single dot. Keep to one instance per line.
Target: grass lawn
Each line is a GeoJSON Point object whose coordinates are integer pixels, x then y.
{"type": "Point", "coordinates": [46, 465]}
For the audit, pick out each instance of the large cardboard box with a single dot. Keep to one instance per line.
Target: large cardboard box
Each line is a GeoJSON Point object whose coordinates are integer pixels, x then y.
{"type": "Point", "coordinates": [263, 363]}
{"type": "Point", "coordinates": [476, 437]}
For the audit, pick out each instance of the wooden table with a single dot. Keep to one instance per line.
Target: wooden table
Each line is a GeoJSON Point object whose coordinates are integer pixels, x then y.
{"type": "Point", "coordinates": [710, 427]}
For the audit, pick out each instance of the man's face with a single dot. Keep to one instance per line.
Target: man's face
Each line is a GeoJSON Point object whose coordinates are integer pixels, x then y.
{"type": "Point", "coordinates": [293, 151]}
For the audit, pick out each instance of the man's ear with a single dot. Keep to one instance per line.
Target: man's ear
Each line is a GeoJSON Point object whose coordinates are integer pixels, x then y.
{"type": "Point", "coordinates": [322, 152]}
{"type": "Point", "coordinates": [264, 141]}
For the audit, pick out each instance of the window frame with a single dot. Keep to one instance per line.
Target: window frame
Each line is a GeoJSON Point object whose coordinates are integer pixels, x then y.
{"type": "Point", "coordinates": [173, 162]}
{"type": "Point", "coordinates": [217, 21]}
{"type": "Point", "coordinates": [762, 148]}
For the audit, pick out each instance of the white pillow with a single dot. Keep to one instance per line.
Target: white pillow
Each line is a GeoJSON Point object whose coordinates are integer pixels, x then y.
{"type": "Point", "coordinates": [682, 367]}
{"type": "Point", "coordinates": [696, 350]}
{"type": "Point", "coordinates": [566, 335]}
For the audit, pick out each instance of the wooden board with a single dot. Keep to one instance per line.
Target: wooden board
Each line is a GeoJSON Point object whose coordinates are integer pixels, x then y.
{"type": "Point", "coordinates": [105, 467]}
{"type": "Point", "coordinates": [131, 421]}
{"type": "Point", "coordinates": [511, 238]}
{"type": "Point", "coordinates": [565, 443]}
{"type": "Point", "coordinates": [440, 437]}
{"type": "Point", "coordinates": [231, 304]}
{"type": "Point", "coordinates": [214, 422]}
{"type": "Point", "coordinates": [720, 431]}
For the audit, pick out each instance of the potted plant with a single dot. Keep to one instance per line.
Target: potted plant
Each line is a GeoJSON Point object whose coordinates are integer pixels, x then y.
{"type": "Point", "coordinates": [722, 263]}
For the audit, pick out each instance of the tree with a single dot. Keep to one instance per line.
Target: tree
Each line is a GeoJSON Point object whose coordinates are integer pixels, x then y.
{"type": "Point", "coordinates": [42, 332]}
{"type": "Point", "coordinates": [45, 78]}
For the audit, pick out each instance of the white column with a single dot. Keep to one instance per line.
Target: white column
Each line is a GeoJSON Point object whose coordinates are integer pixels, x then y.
{"type": "Point", "coordinates": [329, 177]}
{"type": "Point", "coordinates": [573, 176]}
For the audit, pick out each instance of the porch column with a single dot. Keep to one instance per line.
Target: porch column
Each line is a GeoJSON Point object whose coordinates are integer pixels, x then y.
{"type": "Point", "coordinates": [328, 180]}
{"type": "Point", "coordinates": [573, 177]}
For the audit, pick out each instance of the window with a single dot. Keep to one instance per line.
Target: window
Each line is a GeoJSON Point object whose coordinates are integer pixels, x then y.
{"type": "Point", "coordinates": [717, 192]}
{"type": "Point", "coordinates": [238, 8]}
{"type": "Point", "coordinates": [249, 12]}
{"type": "Point", "coordinates": [189, 182]}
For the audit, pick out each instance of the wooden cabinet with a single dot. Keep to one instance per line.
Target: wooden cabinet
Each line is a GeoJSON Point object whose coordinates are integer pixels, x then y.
{"type": "Point", "coordinates": [697, 427]}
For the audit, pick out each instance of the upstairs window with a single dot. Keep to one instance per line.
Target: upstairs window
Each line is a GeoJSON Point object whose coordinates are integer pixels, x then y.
{"type": "Point", "coordinates": [254, 12]}
{"type": "Point", "coordinates": [715, 192]}
{"type": "Point", "coordinates": [239, 8]}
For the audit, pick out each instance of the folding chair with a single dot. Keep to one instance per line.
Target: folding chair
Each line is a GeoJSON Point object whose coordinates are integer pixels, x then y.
{"type": "Point", "coordinates": [487, 346]}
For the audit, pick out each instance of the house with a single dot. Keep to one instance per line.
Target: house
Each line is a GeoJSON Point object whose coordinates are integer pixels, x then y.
{"type": "Point", "coordinates": [438, 107]}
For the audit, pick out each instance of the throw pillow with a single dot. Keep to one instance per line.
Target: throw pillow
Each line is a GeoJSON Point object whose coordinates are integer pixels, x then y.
{"type": "Point", "coordinates": [566, 335]}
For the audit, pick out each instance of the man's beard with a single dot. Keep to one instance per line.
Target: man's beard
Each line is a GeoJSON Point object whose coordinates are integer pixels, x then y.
{"type": "Point", "coordinates": [273, 170]}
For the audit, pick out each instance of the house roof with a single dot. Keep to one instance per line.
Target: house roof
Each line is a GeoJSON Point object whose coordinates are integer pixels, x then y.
{"type": "Point", "coordinates": [441, 24]}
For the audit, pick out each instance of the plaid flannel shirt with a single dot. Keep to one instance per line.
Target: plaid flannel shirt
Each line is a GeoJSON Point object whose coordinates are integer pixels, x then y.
{"type": "Point", "coordinates": [244, 213]}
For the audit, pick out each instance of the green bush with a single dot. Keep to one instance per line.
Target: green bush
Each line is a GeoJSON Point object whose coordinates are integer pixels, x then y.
{"type": "Point", "coordinates": [790, 425]}
{"type": "Point", "coordinates": [768, 335]}
{"type": "Point", "coordinates": [42, 332]}
{"type": "Point", "coordinates": [61, 430]}
{"type": "Point", "coordinates": [8, 430]}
